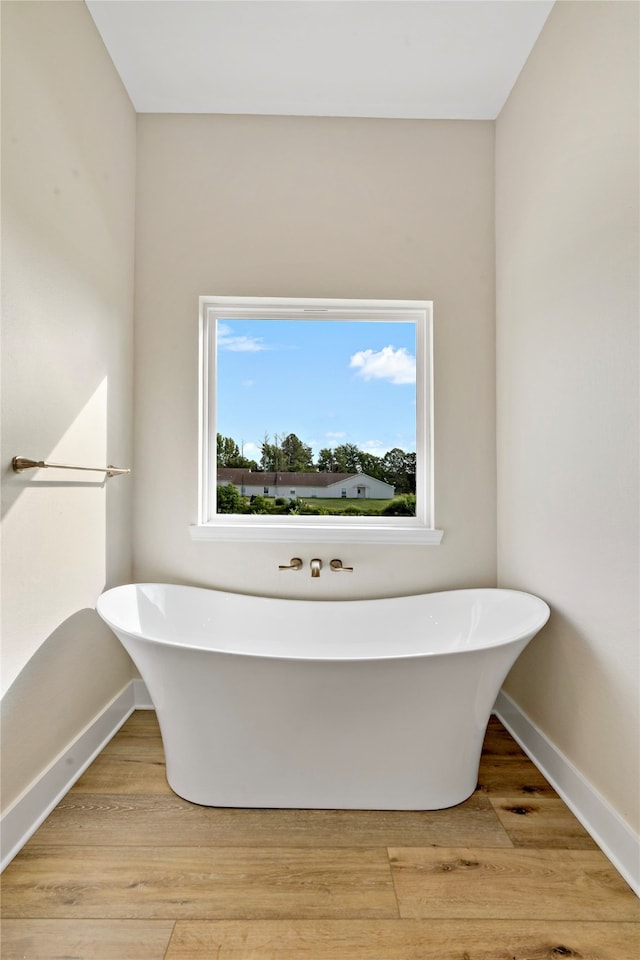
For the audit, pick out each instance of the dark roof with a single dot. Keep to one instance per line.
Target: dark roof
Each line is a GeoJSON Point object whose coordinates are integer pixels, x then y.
{"type": "Point", "coordinates": [268, 478]}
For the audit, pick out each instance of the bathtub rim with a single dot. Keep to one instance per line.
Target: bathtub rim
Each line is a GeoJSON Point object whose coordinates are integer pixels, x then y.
{"type": "Point", "coordinates": [512, 638]}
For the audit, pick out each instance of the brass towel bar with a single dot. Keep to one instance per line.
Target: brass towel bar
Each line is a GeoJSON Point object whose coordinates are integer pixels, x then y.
{"type": "Point", "coordinates": [23, 463]}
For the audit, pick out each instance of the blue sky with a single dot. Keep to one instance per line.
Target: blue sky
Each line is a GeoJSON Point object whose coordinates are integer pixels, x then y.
{"type": "Point", "coordinates": [328, 381]}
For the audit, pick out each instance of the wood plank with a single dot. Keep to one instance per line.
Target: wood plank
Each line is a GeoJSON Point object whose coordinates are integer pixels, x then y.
{"type": "Point", "coordinates": [85, 939]}
{"type": "Point", "coordinates": [138, 739]}
{"type": "Point", "coordinates": [508, 875]}
{"type": "Point", "coordinates": [511, 777]}
{"type": "Point", "coordinates": [498, 742]}
{"type": "Point", "coordinates": [134, 775]}
{"type": "Point", "coordinates": [141, 723]}
{"type": "Point", "coordinates": [510, 884]}
{"type": "Point", "coordinates": [403, 940]}
{"type": "Point", "coordinates": [543, 822]}
{"type": "Point", "coordinates": [189, 882]}
{"type": "Point", "coordinates": [134, 820]}
{"type": "Point", "coordinates": [137, 766]}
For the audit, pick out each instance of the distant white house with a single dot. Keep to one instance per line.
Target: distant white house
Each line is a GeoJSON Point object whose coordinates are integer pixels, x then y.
{"type": "Point", "coordinates": [283, 484]}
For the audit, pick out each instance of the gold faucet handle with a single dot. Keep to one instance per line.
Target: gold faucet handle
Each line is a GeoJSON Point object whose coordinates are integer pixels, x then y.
{"type": "Point", "coordinates": [337, 565]}
{"type": "Point", "coordinates": [294, 564]}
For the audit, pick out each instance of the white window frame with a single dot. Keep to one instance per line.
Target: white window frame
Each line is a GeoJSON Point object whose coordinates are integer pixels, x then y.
{"type": "Point", "coordinates": [288, 529]}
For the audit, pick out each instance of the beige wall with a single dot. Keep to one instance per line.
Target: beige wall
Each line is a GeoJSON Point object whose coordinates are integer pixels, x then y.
{"type": "Point", "coordinates": [567, 356]}
{"type": "Point", "coordinates": [268, 206]}
{"type": "Point", "coordinates": [68, 177]}
{"type": "Point", "coordinates": [340, 208]}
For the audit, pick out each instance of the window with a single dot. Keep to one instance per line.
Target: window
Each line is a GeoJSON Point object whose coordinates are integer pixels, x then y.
{"type": "Point", "coordinates": [333, 400]}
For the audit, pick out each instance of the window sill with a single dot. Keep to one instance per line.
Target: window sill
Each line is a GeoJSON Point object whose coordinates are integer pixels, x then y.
{"type": "Point", "coordinates": [261, 530]}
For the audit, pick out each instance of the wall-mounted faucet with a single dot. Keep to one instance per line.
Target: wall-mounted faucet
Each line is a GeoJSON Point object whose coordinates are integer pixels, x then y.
{"type": "Point", "coordinates": [337, 565]}
{"type": "Point", "coordinates": [316, 566]}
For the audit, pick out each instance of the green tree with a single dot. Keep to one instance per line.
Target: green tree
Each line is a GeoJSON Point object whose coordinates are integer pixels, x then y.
{"type": "Point", "coordinates": [272, 456]}
{"type": "Point", "coordinates": [258, 504]}
{"type": "Point", "coordinates": [228, 454]}
{"type": "Point", "coordinates": [227, 450]}
{"type": "Point", "coordinates": [347, 457]}
{"type": "Point", "coordinates": [298, 455]}
{"type": "Point", "coordinates": [400, 470]}
{"type": "Point", "coordinates": [403, 506]}
{"type": "Point", "coordinates": [410, 471]}
{"type": "Point", "coordinates": [286, 453]}
{"type": "Point", "coordinates": [230, 500]}
{"type": "Point", "coordinates": [326, 460]}
{"type": "Point", "coordinates": [371, 465]}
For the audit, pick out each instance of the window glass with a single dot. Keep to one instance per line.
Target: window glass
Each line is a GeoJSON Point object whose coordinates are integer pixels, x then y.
{"type": "Point", "coordinates": [306, 404]}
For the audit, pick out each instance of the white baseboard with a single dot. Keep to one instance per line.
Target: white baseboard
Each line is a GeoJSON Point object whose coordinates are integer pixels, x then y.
{"type": "Point", "coordinates": [615, 838]}
{"type": "Point", "coordinates": [35, 804]}
{"type": "Point", "coordinates": [141, 698]}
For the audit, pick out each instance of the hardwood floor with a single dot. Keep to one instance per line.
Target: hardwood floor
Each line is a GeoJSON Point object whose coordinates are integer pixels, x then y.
{"type": "Point", "coordinates": [124, 870]}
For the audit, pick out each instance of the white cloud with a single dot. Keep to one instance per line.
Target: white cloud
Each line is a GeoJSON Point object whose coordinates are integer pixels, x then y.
{"type": "Point", "coordinates": [335, 434]}
{"type": "Point", "coordinates": [396, 366]}
{"type": "Point", "coordinates": [374, 446]}
{"type": "Point", "coordinates": [251, 450]}
{"type": "Point", "coordinates": [228, 341]}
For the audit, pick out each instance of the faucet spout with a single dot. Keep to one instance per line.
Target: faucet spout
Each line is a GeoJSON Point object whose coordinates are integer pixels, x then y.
{"type": "Point", "coordinates": [316, 566]}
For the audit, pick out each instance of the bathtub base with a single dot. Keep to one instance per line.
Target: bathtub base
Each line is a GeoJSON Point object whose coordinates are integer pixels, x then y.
{"type": "Point", "coordinates": [278, 734]}
{"type": "Point", "coordinates": [429, 799]}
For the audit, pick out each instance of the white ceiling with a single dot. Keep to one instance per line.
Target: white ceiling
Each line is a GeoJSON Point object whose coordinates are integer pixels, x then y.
{"type": "Point", "coordinates": [425, 59]}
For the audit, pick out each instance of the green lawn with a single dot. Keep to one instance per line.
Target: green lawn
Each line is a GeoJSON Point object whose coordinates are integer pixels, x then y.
{"type": "Point", "coordinates": [337, 505]}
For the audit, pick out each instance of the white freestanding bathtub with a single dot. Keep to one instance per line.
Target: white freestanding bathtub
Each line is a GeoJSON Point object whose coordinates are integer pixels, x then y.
{"type": "Point", "coordinates": [370, 704]}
